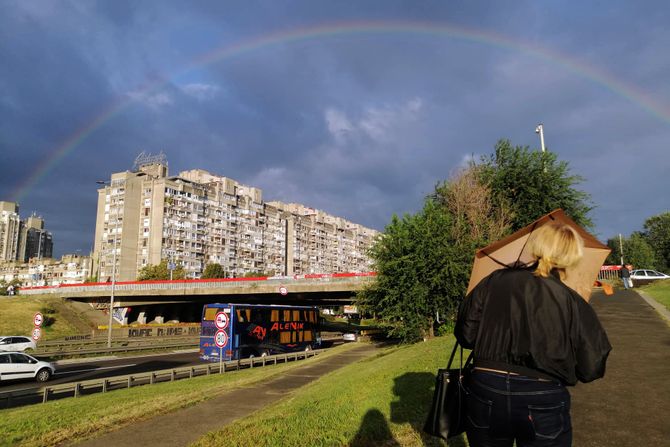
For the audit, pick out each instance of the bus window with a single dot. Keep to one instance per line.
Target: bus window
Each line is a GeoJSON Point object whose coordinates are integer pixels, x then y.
{"type": "Point", "coordinates": [210, 313]}
{"type": "Point", "coordinates": [274, 315]}
{"type": "Point", "coordinates": [244, 315]}
{"type": "Point", "coordinates": [287, 315]}
{"type": "Point", "coordinates": [296, 315]}
{"type": "Point", "coordinates": [284, 337]}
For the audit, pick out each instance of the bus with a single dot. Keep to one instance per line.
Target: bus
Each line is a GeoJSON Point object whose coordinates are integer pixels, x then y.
{"type": "Point", "coordinates": [250, 330]}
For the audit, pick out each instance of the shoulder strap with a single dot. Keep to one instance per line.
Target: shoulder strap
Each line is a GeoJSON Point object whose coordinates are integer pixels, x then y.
{"type": "Point", "coordinates": [460, 363]}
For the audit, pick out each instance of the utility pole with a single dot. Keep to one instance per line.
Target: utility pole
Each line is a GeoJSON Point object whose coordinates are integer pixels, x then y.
{"type": "Point", "coordinates": [621, 248]}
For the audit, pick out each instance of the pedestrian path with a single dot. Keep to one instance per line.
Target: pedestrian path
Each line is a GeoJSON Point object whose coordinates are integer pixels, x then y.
{"type": "Point", "coordinates": [631, 405]}
{"type": "Point", "coordinates": [182, 427]}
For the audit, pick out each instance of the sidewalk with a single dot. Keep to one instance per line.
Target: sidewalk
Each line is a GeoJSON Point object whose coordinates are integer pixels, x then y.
{"type": "Point", "coordinates": [185, 426]}
{"type": "Point", "coordinates": [630, 407]}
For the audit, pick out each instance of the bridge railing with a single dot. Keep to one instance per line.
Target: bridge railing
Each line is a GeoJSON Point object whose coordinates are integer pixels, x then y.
{"type": "Point", "coordinates": [190, 284]}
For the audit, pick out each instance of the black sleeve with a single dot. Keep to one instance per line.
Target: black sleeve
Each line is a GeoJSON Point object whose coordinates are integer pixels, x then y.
{"type": "Point", "coordinates": [470, 315]}
{"type": "Point", "coordinates": [593, 347]}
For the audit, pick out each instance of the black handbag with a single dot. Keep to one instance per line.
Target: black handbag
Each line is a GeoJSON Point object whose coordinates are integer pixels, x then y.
{"type": "Point", "coordinates": [447, 414]}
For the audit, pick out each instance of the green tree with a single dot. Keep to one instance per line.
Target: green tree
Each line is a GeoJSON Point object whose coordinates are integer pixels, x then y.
{"type": "Point", "coordinates": [214, 271]}
{"type": "Point", "coordinates": [657, 234]}
{"type": "Point", "coordinates": [160, 272]}
{"type": "Point", "coordinates": [533, 183]}
{"type": "Point", "coordinates": [636, 251]}
{"type": "Point", "coordinates": [423, 261]}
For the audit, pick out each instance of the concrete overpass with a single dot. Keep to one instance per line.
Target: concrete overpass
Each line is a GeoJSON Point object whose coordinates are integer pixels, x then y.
{"type": "Point", "coordinates": [314, 289]}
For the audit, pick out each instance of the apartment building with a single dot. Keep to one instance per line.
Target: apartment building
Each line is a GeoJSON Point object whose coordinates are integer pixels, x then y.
{"type": "Point", "coordinates": [10, 223]}
{"type": "Point", "coordinates": [34, 240]}
{"type": "Point", "coordinates": [198, 218]}
{"type": "Point", "coordinates": [22, 240]}
{"type": "Point", "coordinates": [70, 269]}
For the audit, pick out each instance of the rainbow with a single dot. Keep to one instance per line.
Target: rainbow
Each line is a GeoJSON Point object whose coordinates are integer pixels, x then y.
{"type": "Point", "coordinates": [582, 69]}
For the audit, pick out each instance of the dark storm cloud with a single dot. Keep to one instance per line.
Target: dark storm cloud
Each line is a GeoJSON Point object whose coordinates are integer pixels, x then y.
{"type": "Point", "coordinates": [362, 125]}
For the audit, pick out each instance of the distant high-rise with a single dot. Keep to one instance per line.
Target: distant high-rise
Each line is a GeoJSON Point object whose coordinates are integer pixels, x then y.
{"type": "Point", "coordinates": [198, 218]}
{"type": "Point", "coordinates": [35, 241]}
{"type": "Point", "coordinates": [22, 240]}
{"type": "Point", "coordinates": [10, 224]}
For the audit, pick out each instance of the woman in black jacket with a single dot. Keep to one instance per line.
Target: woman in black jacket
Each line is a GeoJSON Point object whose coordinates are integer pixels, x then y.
{"type": "Point", "coordinates": [531, 335]}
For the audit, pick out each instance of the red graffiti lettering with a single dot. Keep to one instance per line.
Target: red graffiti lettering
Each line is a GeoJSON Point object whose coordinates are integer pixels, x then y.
{"type": "Point", "coordinates": [259, 332]}
{"type": "Point", "coordinates": [287, 326]}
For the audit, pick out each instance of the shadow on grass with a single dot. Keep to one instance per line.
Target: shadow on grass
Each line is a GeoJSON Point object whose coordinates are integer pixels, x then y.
{"type": "Point", "coordinates": [374, 431]}
{"type": "Point", "coordinates": [415, 394]}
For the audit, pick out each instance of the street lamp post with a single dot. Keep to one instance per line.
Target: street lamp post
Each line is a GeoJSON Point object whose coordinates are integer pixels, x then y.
{"type": "Point", "coordinates": [540, 129]}
{"type": "Point", "coordinates": [111, 297]}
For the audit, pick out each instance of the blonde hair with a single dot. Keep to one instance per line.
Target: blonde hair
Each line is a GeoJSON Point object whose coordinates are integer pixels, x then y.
{"type": "Point", "coordinates": [555, 246]}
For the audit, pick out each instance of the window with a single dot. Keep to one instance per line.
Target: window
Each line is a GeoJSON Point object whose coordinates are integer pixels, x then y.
{"type": "Point", "coordinates": [19, 358]}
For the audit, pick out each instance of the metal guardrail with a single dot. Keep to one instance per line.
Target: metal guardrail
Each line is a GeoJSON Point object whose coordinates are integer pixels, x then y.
{"type": "Point", "coordinates": [60, 345]}
{"type": "Point", "coordinates": [76, 389]}
{"type": "Point", "coordinates": [121, 347]}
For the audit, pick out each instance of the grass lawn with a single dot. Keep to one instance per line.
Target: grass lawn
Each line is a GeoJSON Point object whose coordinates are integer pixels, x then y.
{"type": "Point", "coordinates": [16, 316]}
{"type": "Point", "coordinates": [380, 401]}
{"type": "Point", "coordinates": [660, 291]}
{"type": "Point", "coordinates": [72, 419]}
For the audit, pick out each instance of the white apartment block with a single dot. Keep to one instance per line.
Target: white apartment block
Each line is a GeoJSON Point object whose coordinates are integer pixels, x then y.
{"type": "Point", "coordinates": [10, 228]}
{"type": "Point", "coordinates": [70, 269]}
{"type": "Point", "coordinates": [198, 218]}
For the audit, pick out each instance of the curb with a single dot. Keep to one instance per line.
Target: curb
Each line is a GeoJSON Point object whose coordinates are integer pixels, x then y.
{"type": "Point", "coordinates": [661, 309]}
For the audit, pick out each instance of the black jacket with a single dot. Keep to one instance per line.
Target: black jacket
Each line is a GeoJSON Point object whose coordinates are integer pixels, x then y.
{"type": "Point", "coordinates": [516, 321]}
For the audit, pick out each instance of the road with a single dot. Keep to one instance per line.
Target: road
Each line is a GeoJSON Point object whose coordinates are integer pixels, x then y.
{"type": "Point", "coordinates": [67, 371]}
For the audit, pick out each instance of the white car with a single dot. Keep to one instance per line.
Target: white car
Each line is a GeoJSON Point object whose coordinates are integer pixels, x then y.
{"type": "Point", "coordinates": [647, 274]}
{"type": "Point", "coordinates": [349, 336]}
{"type": "Point", "coordinates": [17, 365]}
{"type": "Point", "coordinates": [16, 343]}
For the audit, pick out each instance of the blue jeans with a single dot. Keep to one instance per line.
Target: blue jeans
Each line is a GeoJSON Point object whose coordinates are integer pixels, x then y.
{"type": "Point", "coordinates": [502, 408]}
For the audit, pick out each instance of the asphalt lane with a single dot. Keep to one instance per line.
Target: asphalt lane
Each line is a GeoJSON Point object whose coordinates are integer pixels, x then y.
{"type": "Point", "coordinates": [68, 372]}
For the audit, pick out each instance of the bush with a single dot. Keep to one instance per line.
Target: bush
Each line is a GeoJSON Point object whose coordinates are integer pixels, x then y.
{"type": "Point", "coordinates": [47, 310]}
{"type": "Point", "coordinates": [446, 328]}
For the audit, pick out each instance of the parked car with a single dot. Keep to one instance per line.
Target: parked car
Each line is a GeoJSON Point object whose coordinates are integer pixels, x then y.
{"type": "Point", "coordinates": [350, 336]}
{"type": "Point", "coordinates": [17, 365]}
{"type": "Point", "coordinates": [642, 274]}
{"type": "Point", "coordinates": [16, 343]}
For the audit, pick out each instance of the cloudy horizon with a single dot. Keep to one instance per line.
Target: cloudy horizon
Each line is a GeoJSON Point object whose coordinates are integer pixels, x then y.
{"type": "Point", "coordinates": [354, 108]}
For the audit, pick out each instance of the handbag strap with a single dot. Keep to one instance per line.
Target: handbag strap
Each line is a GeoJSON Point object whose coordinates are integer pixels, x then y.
{"type": "Point", "coordinates": [460, 363]}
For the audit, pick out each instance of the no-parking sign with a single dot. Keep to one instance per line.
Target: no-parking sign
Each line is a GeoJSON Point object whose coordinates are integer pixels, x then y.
{"type": "Point", "coordinates": [283, 290]}
{"type": "Point", "coordinates": [220, 339]}
{"type": "Point", "coordinates": [37, 333]}
{"type": "Point", "coordinates": [221, 320]}
{"type": "Point", "coordinates": [38, 319]}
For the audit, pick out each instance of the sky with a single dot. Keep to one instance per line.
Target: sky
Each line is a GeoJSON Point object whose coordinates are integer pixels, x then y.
{"type": "Point", "coordinates": [354, 107]}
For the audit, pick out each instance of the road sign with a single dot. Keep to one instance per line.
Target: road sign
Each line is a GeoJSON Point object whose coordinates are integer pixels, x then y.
{"type": "Point", "coordinates": [221, 320]}
{"type": "Point", "coordinates": [38, 319]}
{"type": "Point", "coordinates": [172, 266]}
{"type": "Point", "coordinates": [283, 290]}
{"type": "Point", "coordinates": [221, 339]}
{"type": "Point", "coordinates": [37, 333]}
